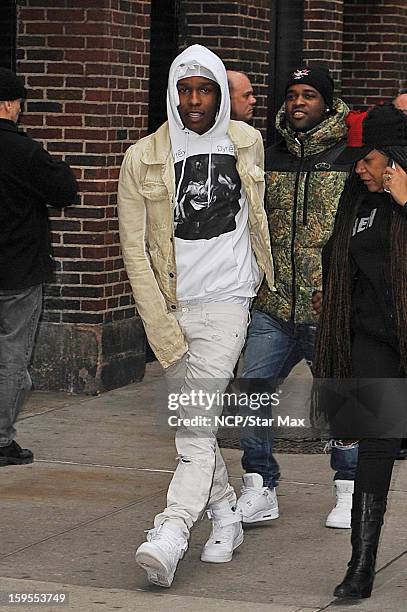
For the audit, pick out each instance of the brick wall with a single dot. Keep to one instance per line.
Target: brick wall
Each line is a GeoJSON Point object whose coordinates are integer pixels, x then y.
{"type": "Point", "coordinates": [323, 33]}
{"type": "Point", "coordinates": [375, 50]}
{"type": "Point", "coordinates": [239, 33]}
{"type": "Point", "coordinates": [363, 43]}
{"type": "Point", "coordinates": [86, 64]}
{"type": "Point", "coordinates": [86, 68]}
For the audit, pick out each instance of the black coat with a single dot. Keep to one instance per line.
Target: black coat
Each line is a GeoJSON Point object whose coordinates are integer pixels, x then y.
{"type": "Point", "coordinates": [30, 179]}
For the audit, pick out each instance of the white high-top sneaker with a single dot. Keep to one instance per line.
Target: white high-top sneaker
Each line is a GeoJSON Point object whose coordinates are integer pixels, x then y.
{"type": "Point", "coordinates": [340, 516]}
{"type": "Point", "coordinates": [159, 556]}
{"type": "Point", "coordinates": [257, 503]}
{"type": "Point", "coordinates": [226, 535]}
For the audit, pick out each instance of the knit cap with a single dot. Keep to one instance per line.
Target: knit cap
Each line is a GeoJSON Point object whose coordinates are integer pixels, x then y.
{"type": "Point", "coordinates": [11, 86]}
{"type": "Point", "coordinates": [383, 126]}
{"type": "Point", "coordinates": [316, 76]}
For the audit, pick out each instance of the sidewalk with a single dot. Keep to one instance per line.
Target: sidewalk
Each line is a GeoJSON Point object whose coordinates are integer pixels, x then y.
{"type": "Point", "coordinates": [101, 471]}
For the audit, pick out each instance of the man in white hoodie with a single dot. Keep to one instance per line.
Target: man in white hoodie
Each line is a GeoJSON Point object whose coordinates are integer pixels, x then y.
{"type": "Point", "coordinates": [195, 245]}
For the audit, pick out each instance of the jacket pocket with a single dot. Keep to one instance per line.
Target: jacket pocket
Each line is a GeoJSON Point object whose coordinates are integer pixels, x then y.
{"type": "Point", "coordinates": [157, 206]}
{"type": "Point", "coordinates": [154, 192]}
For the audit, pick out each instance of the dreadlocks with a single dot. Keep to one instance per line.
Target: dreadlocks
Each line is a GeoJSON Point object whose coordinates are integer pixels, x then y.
{"type": "Point", "coordinates": [398, 241]}
{"type": "Point", "coordinates": [333, 345]}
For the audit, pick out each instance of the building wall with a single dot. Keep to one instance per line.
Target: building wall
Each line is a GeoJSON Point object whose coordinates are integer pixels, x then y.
{"type": "Point", "coordinates": [239, 32]}
{"type": "Point", "coordinates": [375, 50]}
{"type": "Point", "coordinates": [86, 66]}
{"type": "Point", "coordinates": [86, 63]}
{"type": "Point", "coordinates": [363, 42]}
{"type": "Point", "coordinates": [323, 35]}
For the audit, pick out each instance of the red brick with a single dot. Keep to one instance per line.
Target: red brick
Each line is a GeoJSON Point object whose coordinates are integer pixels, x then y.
{"type": "Point", "coordinates": [42, 27]}
{"type": "Point", "coordinates": [65, 15]}
{"type": "Point", "coordinates": [65, 68]}
{"type": "Point", "coordinates": [66, 42]}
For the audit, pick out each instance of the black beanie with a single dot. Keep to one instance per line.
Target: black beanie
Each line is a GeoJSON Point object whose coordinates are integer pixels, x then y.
{"type": "Point", "coordinates": [11, 86]}
{"type": "Point", "coordinates": [385, 126]}
{"type": "Point", "coordinates": [316, 76]}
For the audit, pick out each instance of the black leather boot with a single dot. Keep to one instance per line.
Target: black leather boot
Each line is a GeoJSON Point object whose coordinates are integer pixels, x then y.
{"type": "Point", "coordinates": [367, 519]}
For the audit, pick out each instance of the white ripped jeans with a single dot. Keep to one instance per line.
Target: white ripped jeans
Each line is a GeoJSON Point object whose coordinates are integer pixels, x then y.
{"type": "Point", "coordinates": [215, 333]}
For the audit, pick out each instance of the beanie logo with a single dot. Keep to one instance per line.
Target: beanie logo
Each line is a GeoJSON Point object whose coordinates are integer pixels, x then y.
{"type": "Point", "coordinates": [299, 74]}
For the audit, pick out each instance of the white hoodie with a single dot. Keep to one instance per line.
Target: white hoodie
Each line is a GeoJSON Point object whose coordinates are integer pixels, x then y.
{"type": "Point", "coordinates": [212, 243]}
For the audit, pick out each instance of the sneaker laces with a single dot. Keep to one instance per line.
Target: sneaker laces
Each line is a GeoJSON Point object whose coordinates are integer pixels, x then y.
{"type": "Point", "coordinates": [253, 490]}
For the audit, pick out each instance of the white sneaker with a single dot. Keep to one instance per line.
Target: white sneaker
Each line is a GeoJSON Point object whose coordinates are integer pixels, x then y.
{"type": "Point", "coordinates": [257, 503]}
{"type": "Point", "coordinates": [159, 556]}
{"type": "Point", "coordinates": [226, 535]}
{"type": "Point", "coordinates": [339, 517]}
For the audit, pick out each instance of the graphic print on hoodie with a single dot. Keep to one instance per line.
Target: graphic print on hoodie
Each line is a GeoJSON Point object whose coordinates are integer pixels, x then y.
{"type": "Point", "coordinates": [208, 200]}
{"type": "Point", "coordinates": [212, 242]}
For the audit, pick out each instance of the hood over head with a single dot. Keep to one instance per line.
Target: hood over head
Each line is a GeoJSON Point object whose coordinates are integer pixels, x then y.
{"type": "Point", "coordinates": [197, 60]}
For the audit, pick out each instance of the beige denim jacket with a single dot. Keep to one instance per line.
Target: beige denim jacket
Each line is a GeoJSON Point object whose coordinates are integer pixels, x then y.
{"type": "Point", "coordinates": [145, 210]}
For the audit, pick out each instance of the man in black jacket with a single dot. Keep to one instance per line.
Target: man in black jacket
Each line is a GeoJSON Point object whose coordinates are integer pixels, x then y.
{"type": "Point", "coordinates": [29, 181]}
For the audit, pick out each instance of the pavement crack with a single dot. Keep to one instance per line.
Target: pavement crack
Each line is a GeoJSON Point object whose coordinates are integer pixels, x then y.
{"type": "Point", "coordinates": [48, 410]}
{"type": "Point", "coordinates": [102, 466]}
{"type": "Point", "coordinates": [84, 524]}
{"type": "Point", "coordinates": [389, 563]}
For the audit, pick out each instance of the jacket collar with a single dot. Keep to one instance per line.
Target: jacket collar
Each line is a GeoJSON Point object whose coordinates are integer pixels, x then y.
{"type": "Point", "coordinates": [320, 138]}
{"type": "Point", "coordinates": [158, 146]}
{"type": "Point", "coordinates": [241, 134]}
{"type": "Point", "coordinates": [6, 124]}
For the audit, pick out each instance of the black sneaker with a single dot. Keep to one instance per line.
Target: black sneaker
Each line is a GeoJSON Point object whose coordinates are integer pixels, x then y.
{"type": "Point", "coordinates": [13, 454]}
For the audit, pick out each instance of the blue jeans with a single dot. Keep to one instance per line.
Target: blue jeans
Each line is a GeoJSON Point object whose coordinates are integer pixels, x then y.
{"type": "Point", "coordinates": [344, 460]}
{"type": "Point", "coordinates": [19, 314]}
{"type": "Point", "coordinates": [273, 348]}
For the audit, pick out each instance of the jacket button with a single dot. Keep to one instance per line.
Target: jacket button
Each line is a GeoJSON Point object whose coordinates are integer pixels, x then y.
{"type": "Point", "coordinates": [171, 275]}
{"type": "Point", "coordinates": [171, 239]}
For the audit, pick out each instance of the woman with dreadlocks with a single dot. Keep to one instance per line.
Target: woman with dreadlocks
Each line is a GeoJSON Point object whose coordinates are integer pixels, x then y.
{"type": "Point", "coordinates": [363, 323]}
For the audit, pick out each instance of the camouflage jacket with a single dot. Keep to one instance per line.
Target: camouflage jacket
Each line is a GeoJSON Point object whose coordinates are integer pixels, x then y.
{"type": "Point", "coordinates": [303, 189]}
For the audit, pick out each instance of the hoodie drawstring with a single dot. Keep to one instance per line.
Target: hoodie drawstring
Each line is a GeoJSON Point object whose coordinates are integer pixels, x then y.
{"type": "Point", "coordinates": [184, 161]}
{"type": "Point", "coordinates": [209, 171]}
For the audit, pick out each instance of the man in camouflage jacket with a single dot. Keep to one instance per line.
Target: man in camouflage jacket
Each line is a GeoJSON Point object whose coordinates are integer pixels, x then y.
{"type": "Point", "coordinates": [303, 189]}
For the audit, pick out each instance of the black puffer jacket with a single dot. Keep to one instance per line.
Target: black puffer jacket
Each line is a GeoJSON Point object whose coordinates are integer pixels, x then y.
{"type": "Point", "coordinates": [30, 179]}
